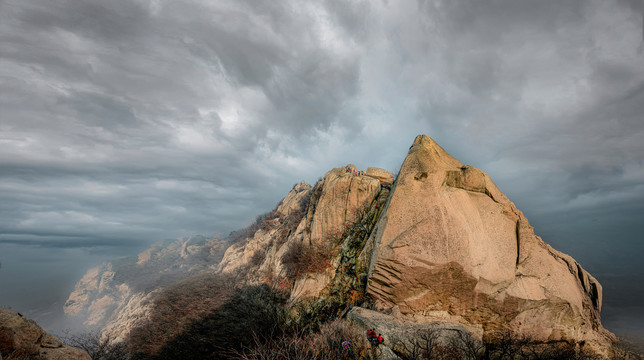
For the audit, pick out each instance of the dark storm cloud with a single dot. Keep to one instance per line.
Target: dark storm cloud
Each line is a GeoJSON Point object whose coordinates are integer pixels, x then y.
{"type": "Point", "coordinates": [123, 116]}
{"type": "Point", "coordinates": [126, 122]}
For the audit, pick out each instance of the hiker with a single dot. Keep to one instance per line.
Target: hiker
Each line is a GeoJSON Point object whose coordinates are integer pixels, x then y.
{"type": "Point", "coordinates": [372, 336]}
{"type": "Point", "coordinates": [380, 339]}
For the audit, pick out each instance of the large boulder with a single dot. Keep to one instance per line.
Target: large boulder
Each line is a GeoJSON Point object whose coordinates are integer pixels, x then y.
{"type": "Point", "coordinates": [292, 201]}
{"type": "Point", "coordinates": [398, 334]}
{"type": "Point", "coordinates": [343, 196]}
{"type": "Point", "coordinates": [23, 337]}
{"type": "Point", "coordinates": [450, 246]}
{"type": "Point", "coordinates": [386, 178]}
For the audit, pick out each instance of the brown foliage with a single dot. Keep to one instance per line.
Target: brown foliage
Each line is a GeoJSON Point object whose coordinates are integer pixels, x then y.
{"type": "Point", "coordinates": [300, 259]}
{"type": "Point", "coordinates": [502, 346]}
{"type": "Point", "coordinates": [17, 355]}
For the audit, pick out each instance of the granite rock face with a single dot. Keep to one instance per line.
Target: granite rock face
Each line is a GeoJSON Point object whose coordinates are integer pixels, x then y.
{"type": "Point", "coordinates": [21, 336]}
{"type": "Point", "coordinates": [386, 178]}
{"type": "Point", "coordinates": [335, 201]}
{"type": "Point", "coordinates": [292, 200]}
{"type": "Point", "coordinates": [450, 246]}
{"type": "Point", "coordinates": [343, 196]}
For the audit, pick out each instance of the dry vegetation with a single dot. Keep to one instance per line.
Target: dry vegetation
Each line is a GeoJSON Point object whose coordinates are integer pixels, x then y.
{"type": "Point", "coordinates": [253, 313]}
{"type": "Point", "coordinates": [428, 344]}
{"type": "Point", "coordinates": [176, 307]}
{"type": "Point", "coordinates": [301, 259]}
{"type": "Point", "coordinates": [98, 348]}
{"type": "Point", "coordinates": [335, 340]}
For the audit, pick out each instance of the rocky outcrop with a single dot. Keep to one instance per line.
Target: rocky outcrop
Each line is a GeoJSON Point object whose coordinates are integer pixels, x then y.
{"type": "Point", "coordinates": [21, 336]}
{"type": "Point", "coordinates": [342, 197]}
{"type": "Point", "coordinates": [385, 177]}
{"type": "Point", "coordinates": [107, 289]}
{"type": "Point", "coordinates": [292, 201]}
{"type": "Point", "coordinates": [336, 200]}
{"type": "Point", "coordinates": [450, 246]}
{"type": "Point", "coordinates": [399, 334]}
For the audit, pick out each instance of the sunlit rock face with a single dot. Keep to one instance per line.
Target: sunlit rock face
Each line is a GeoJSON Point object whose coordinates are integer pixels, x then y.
{"type": "Point", "coordinates": [335, 201]}
{"type": "Point", "coordinates": [343, 196]}
{"type": "Point", "coordinates": [450, 246]}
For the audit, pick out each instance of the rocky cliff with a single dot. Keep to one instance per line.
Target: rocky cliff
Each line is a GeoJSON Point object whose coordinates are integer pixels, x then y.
{"type": "Point", "coordinates": [22, 338]}
{"type": "Point", "coordinates": [324, 212]}
{"type": "Point", "coordinates": [119, 295]}
{"type": "Point", "coordinates": [450, 246]}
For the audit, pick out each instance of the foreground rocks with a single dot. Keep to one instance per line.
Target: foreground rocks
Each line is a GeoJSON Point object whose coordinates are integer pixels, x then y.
{"type": "Point", "coordinates": [21, 336]}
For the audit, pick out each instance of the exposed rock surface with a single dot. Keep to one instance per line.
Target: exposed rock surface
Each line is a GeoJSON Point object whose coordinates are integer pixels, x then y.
{"type": "Point", "coordinates": [386, 178]}
{"type": "Point", "coordinates": [21, 336]}
{"type": "Point", "coordinates": [343, 196]}
{"type": "Point", "coordinates": [449, 252]}
{"type": "Point", "coordinates": [398, 332]}
{"type": "Point", "coordinates": [451, 247]}
{"type": "Point", "coordinates": [292, 200]}
{"type": "Point", "coordinates": [335, 201]}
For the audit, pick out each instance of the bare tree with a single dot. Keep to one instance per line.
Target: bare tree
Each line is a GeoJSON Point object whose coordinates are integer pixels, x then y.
{"type": "Point", "coordinates": [469, 347]}
{"type": "Point", "coordinates": [420, 345]}
{"type": "Point", "coordinates": [98, 347]}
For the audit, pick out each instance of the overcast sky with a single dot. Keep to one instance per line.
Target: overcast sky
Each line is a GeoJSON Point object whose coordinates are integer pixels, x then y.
{"type": "Point", "coordinates": [127, 122]}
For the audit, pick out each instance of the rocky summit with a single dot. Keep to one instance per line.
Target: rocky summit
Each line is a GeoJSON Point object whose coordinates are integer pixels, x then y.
{"type": "Point", "coordinates": [438, 249]}
{"type": "Point", "coordinates": [451, 247]}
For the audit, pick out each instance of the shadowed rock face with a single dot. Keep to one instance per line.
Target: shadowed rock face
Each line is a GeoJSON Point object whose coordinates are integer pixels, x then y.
{"type": "Point", "coordinates": [450, 246]}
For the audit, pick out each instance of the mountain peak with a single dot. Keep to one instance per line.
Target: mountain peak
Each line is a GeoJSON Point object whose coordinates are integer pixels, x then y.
{"type": "Point", "coordinates": [452, 247]}
{"type": "Point", "coordinates": [426, 155]}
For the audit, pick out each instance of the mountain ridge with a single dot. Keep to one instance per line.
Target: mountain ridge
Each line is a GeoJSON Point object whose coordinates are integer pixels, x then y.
{"type": "Point", "coordinates": [440, 242]}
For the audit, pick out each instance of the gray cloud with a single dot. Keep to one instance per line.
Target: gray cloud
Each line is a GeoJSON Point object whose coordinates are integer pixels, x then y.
{"type": "Point", "coordinates": [128, 122]}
